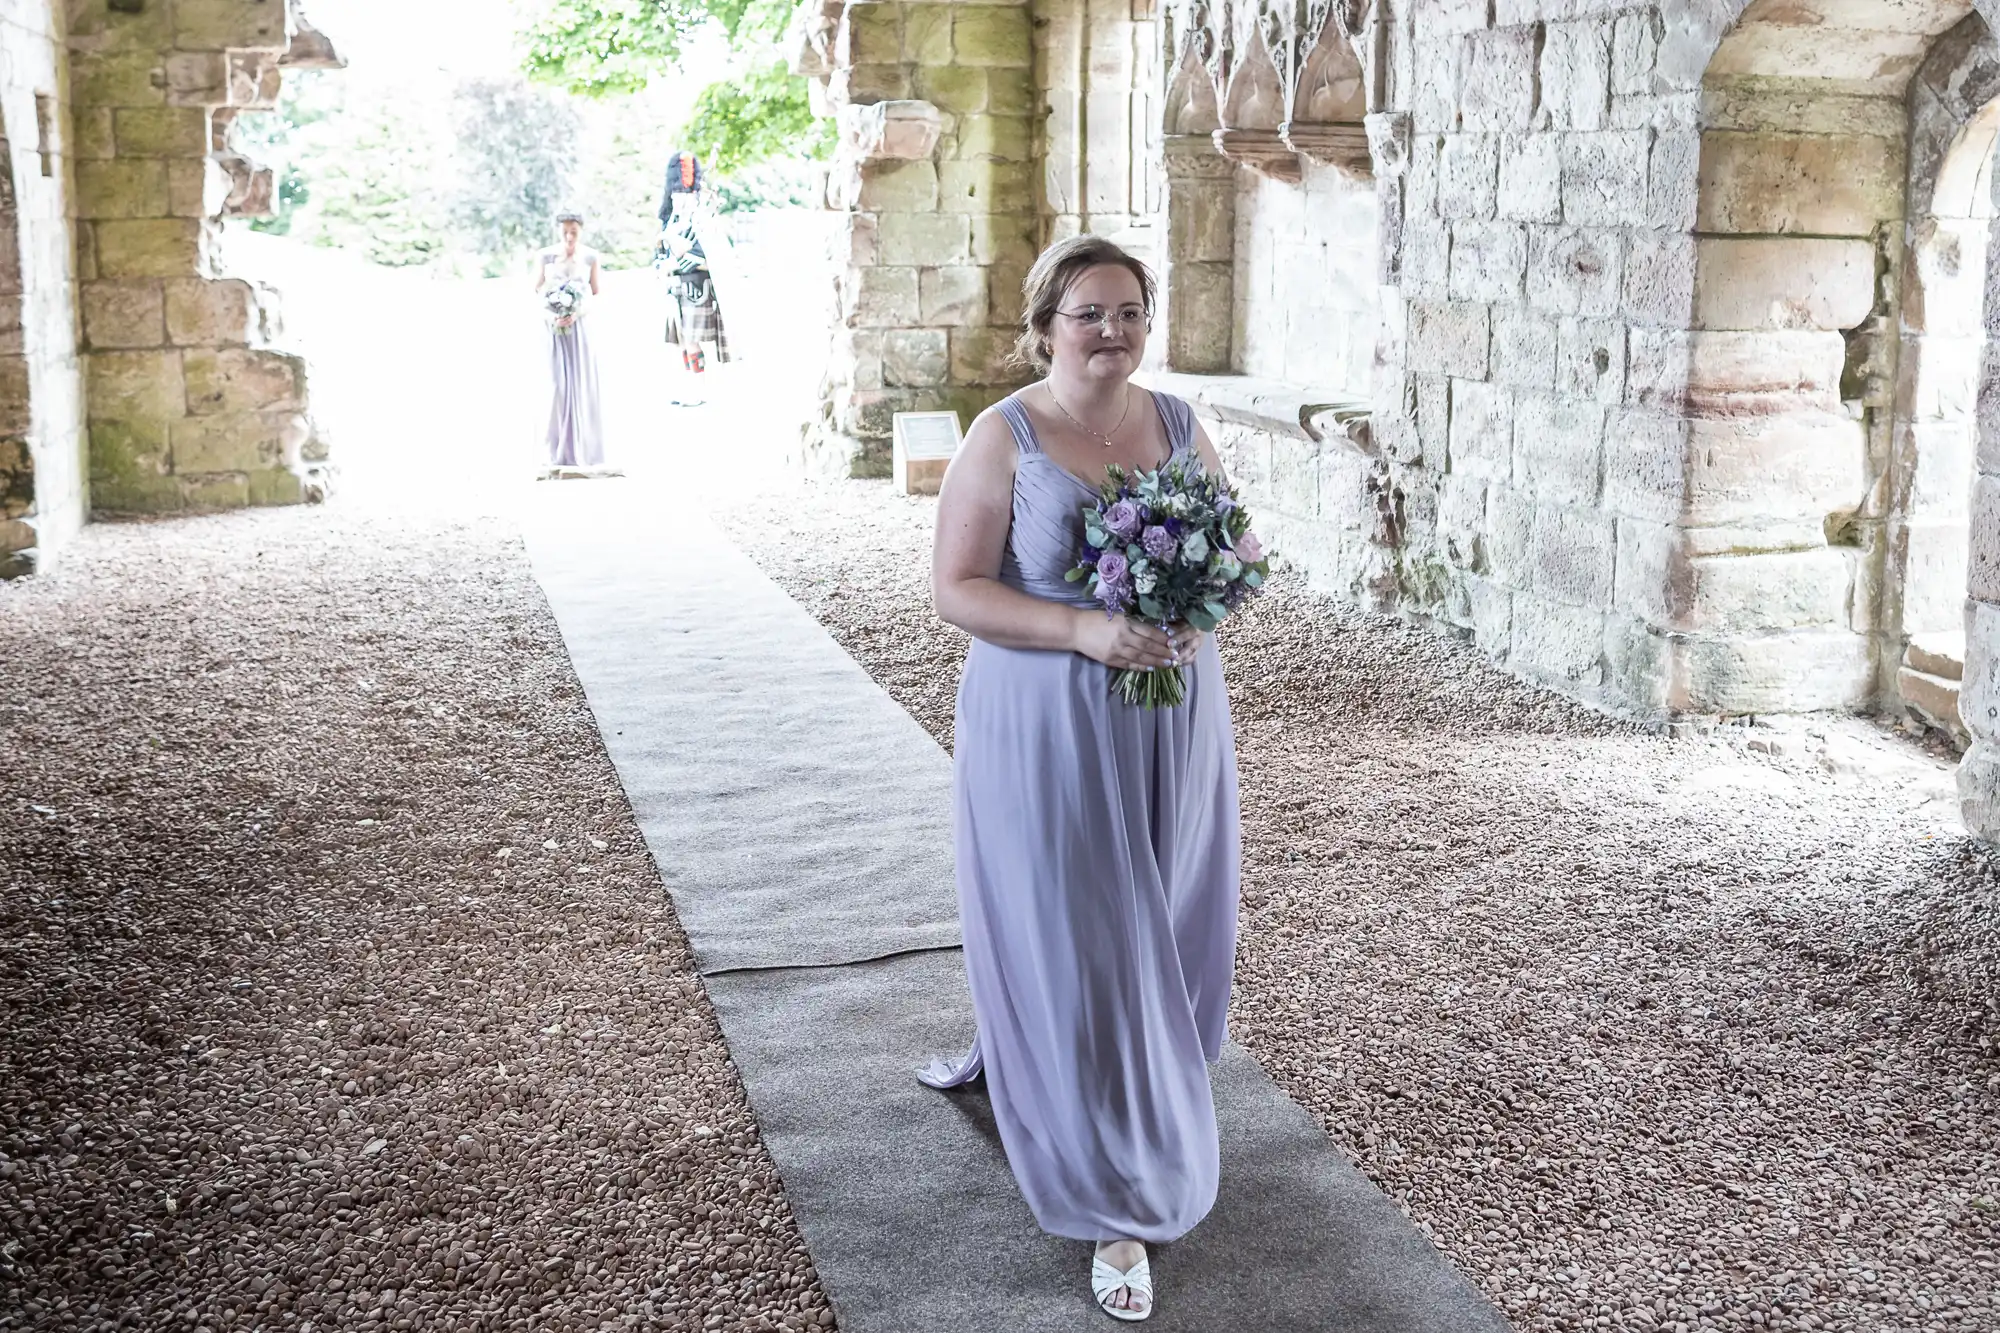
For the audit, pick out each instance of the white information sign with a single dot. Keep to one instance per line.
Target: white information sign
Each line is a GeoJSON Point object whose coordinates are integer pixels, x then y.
{"type": "Point", "coordinates": [927, 435]}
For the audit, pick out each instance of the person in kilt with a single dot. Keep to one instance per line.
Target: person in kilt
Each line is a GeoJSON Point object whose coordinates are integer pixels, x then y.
{"type": "Point", "coordinates": [694, 317]}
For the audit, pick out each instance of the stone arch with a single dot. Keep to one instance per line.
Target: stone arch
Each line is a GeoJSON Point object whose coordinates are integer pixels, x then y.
{"type": "Point", "coordinates": [1330, 86]}
{"type": "Point", "coordinates": [1190, 105]}
{"type": "Point", "coordinates": [1942, 348]}
{"type": "Point", "coordinates": [1254, 97]}
{"type": "Point", "coordinates": [1845, 181]}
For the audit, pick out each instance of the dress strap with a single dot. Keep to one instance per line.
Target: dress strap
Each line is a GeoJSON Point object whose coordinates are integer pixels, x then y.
{"type": "Point", "coordinates": [1016, 413]}
{"type": "Point", "coordinates": [1180, 423]}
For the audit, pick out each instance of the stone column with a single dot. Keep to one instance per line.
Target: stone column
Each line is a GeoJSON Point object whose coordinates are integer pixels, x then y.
{"type": "Point", "coordinates": [189, 405]}
{"type": "Point", "coordinates": [1198, 263]}
{"type": "Point", "coordinates": [936, 175]}
{"type": "Point", "coordinates": [1979, 692]}
{"type": "Point", "coordinates": [41, 383]}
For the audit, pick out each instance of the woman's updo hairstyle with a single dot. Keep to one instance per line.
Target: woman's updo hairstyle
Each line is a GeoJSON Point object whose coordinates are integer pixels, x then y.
{"type": "Point", "coordinates": [569, 215]}
{"type": "Point", "coordinates": [1049, 281]}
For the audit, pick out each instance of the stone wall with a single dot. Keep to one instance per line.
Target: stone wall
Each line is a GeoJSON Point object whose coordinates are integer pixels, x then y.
{"type": "Point", "coordinates": [936, 177]}
{"type": "Point", "coordinates": [42, 498]}
{"type": "Point", "coordinates": [190, 406]}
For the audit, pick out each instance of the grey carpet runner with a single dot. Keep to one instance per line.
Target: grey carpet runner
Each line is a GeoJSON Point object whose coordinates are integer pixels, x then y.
{"type": "Point", "coordinates": [801, 821]}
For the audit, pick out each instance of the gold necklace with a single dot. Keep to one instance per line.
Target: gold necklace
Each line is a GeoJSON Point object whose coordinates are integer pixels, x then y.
{"type": "Point", "coordinates": [1101, 437]}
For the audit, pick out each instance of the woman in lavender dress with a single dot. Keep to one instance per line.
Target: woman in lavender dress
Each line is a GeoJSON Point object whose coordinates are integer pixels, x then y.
{"type": "Point", "coordinates": [576, 435]}
{"type": "Point", "coordinates": [1097, 842]}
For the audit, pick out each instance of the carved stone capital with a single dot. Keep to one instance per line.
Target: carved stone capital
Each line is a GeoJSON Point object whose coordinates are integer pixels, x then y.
{"type": "Point", "coordinates": [1343, 144]}
{"type": "Point", "coordinates": [1194, 157]}
{"type": "Point", "coordinates": [1261, 150]}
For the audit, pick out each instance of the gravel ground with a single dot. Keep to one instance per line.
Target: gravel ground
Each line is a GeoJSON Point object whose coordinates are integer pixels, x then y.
{"type": "Point", "coordinates": [339, 989]}
{"type": "Point", "coordinates": [1645, 1033]}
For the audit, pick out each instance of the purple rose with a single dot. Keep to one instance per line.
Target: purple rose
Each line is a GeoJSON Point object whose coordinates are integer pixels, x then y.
{"type": "Point", "coordinates": [1112, 569]}
{"type": "Point", "coordinates": [1123, 520]}
{"type": "Point", "coordinates": [1159, 544]}
{"type": "Point", "coordinates": [1248, 549]}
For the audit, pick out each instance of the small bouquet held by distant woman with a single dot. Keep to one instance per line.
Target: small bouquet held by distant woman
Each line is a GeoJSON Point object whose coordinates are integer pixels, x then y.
{"type": "Point", "coordinates": [562, 301]}
{"type": "Point", "coordinates": [1170, 546]}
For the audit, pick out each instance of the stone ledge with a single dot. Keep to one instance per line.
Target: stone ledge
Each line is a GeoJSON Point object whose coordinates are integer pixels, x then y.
{"type": "Point", "coordinates": [1298, 411]}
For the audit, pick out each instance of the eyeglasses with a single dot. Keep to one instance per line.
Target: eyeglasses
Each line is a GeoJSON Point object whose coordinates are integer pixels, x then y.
{"type": "Point", "coordinates": [1096, 318]}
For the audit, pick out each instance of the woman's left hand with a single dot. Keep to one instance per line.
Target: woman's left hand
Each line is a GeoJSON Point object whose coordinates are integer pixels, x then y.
{"type": "Point", "coordinates": [565, 321]}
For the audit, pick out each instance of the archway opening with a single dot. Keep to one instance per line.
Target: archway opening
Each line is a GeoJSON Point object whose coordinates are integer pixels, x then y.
{"type": "Point", "coordinates": [1837, 336]}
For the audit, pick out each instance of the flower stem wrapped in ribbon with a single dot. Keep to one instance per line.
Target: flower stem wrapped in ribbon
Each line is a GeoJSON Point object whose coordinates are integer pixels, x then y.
{"type": "Point", "coordinates": [1170, 546]}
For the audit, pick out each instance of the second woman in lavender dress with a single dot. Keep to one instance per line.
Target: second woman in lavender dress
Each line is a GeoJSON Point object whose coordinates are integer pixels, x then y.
{"type": "Point", "coordinates": [576, 431]}
{"type": "Point", "coordinates": [1096, 842]}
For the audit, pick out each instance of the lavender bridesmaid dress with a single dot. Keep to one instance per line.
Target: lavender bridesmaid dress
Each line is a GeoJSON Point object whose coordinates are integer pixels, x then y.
{"type": "Point", "coordinates": [576, 432]}
{"type": "Point", "coordinates": [1097, 851]}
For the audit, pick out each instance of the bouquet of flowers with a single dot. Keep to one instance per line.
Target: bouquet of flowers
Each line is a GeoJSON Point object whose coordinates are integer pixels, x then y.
{"type": "Point", "coordinates": [561, 302]}
{"type": "Point", "coordinates": [1170, 546]}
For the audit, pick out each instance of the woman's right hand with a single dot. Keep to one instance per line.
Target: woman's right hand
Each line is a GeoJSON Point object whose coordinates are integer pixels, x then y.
{"type": "Point", "coordinates": [1122, 643]}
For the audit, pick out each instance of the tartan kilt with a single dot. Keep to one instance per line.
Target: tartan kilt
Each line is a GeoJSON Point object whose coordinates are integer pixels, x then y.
{"type": "Point", "coordinates": [696, 317]}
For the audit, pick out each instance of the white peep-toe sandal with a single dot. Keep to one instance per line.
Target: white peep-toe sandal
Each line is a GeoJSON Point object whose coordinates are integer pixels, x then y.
{"type": "Point", "coordinates": [1105, 1282]}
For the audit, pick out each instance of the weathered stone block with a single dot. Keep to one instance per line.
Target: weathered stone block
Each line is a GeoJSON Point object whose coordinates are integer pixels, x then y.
{"type": "Point", "coordinates": [1453, 16]}
{"type": "Point", "coordinates": [954, 296]}
{"type": "Point", "coordinates": [1817, 184]}
{"type": "Point", "coordinates": [1673, 179]}
{"type": "Point", "coordinates": [196, 187]}
{"type": "Point", "coordinates": [903, 129]}
{"type": "Point", "coordinates": [1488, 260]}
{"type": "Point", "coordinates": [1558, 446]}
{"type": "Point", "coordinates": [1427, 259]}
{"type": "Point", "coordinates": [1590, 359]}
{"type": "Point", "coordinates": [275, 486]}
{"type": "Point", "coordinates": [149, 248]}
{"type": "Point", "coordinates": [915, 358]}
{"type": "Point", "coordinates": [1482, 429]}
{"type": "Point", "coordinates": [1635, 46]}
{"type": "Point", "coordinates": [870, 33]}
{"type": "Point", "coordinates": [118, 78]}
{"type": "Point", "coordinates": [1468, 175]}
{"type": "Point", "coordinates": [1462, 519]}
{"type": "Point", "coordinates": [1983, 566]}
{"type": "Point", "coordinates": [880, 298]}
{"type": "Point", "coordinates": [215, 490]}
{"type": "Point", "coordinates": [1979, 699]}
{"type": "Point", "coordinates": [1450, 339]}
{"type": "Point", "coordinates": [1531, 178]}
{"type": "Point", "coordinates": [1783, 282]}
{"type": "Point", "coordinates": [874, 82]}
{"type": "Point", "coordinates": [92, 135]}
{"type": "Point", "coordinates": [1572, 556]}
{"type": "Point", "coordinates": [1936, 559]}
{"type": "Point", "coordinates": [1510, 527]}
{"type": "Point", "coordinates": [1557, 641]}
{"type": "Point", "coordinates": [957, 89]}
{"type": "Point", "coordinates": [1524, 347]}
{"type": "Point", "coordinates": [227, 25]}
{"type": "Point", "coordinates": [1576, 74]}
{"type": "Point", "coordinates": [204, 312]}
{"type": "Point", "coordinates": [1661, 579]}
{"type": "Point", "coordinates": [1798, 465]}
{"type": "Point", "coordinates": [1796, 671]}
{"type": "Point", "coordinates": [122, 188]}
{"type": "Point", "coordinates": [161, 131]}
{"type": "Point", "coordinates": [983, 356]}
{"type": "Point", "coordinates": [992, 35]}
{"type": "Point", "coordinates": [986, 187]}
{"type": "Point", "coordinates": [1938, 378]}
{"type": "Point", "coordinates": [1006, 239]}
{"type": "Point", "coordinates": [1012, 92]}
{"type": "Point", "coordinates": [1604, 178]}
{"type": "Point", "coordinates": [1931, 478]}
{"type": "Point", "coordinates": [1656, 368]}
{"type": "Point", "coordinates": [1733, 373]}
{"type": "Point", "coordinates": [1979, 776]}
{"type": "Point", "coordinates": [897, 187]}
{"type": "Point", "coordinates": [927, 34]}
{"type": "Point", "coordinates": [197, 78]}
{"type": "Point", "coordinates": [237, 441]}
{"type": "Point", "coordinates": [856, 358]}
{"type": "Point", "coordinates": [925, 239]}
{"type": "Point", "coordinates": [1000, 138]}
{"type": "Point", "coordinates": [1575, 272]}
{"type": "Point", "coordinates": [235, 379]}
{"type": "Point", "coordinates": [135, 386]}
{"type": "Point", "coordinates": [1499, 88]}
{"type": "Point", "coordinates": [1646, 464]}
{"type": "Point", "coordinates": [1659, 278]}
{"type": "Point", "coordinates": [123, 315]}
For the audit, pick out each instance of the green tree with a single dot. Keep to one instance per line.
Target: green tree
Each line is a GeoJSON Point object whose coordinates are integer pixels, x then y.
{"type": "Point", "coordinates": [516, 148]}
{"type": "Point", "coordinates": [762, 114]}
{"type": "Point", "coordinates": [757, 113]}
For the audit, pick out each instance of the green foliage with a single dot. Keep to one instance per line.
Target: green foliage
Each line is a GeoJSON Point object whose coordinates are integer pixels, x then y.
{"type": "Point", "coordinates": [375, 189]}
{"type": "Point", "coordinates": [761, 115]}
{"type": "Point", "coordinates": [516, 146]}
{"type": "Point", "coordinates": [602, 47]}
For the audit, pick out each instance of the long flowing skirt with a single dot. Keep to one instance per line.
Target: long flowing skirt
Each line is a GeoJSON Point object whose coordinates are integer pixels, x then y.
{"type": "Point", "coordinates": [1098, 854]}
{"type": "Point", "coordinates": [576, 431]}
